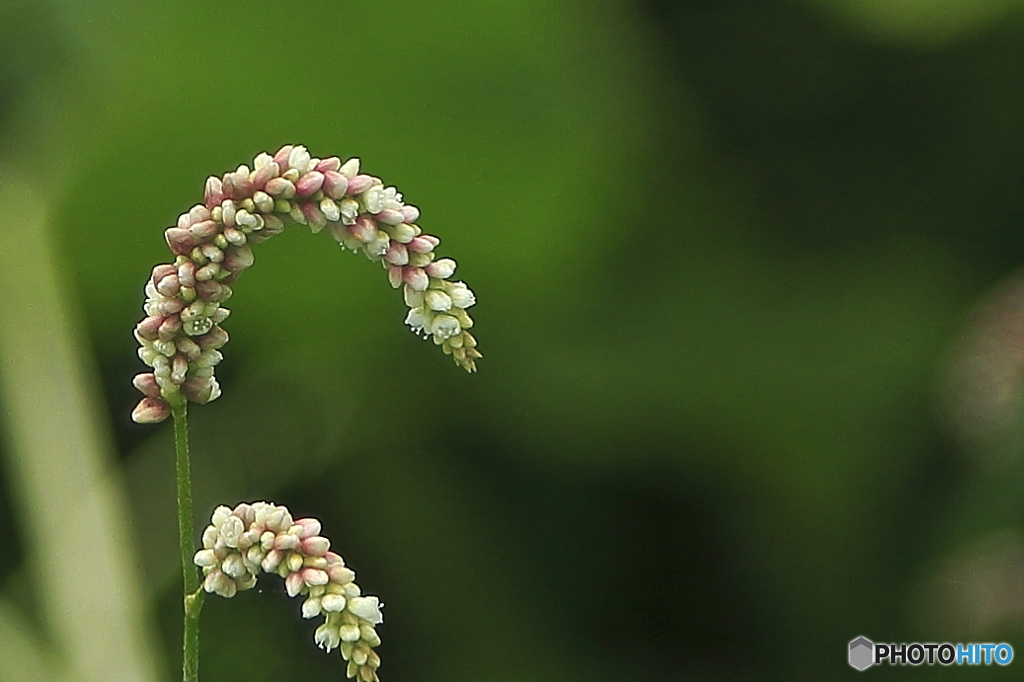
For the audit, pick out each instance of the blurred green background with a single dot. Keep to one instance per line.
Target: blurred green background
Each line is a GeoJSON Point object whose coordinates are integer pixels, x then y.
{"type": "Point", "coordinates": [742, 397]}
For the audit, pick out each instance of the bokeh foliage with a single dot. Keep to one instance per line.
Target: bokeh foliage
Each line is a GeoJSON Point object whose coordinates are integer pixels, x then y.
{"type": "Point", "coordinates": [722, 251]}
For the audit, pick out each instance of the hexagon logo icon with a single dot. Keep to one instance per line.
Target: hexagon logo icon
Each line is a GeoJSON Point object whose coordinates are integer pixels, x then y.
{"type": "Point", "coordinates": [862, 653]}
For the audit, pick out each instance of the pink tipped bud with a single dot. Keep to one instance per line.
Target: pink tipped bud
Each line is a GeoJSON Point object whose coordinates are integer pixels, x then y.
{"type": "Point", "coordinates": [410, 213]}
{"type": "Point", "coordinates": [389, 216]}
{"type": "Point", "coordinates": [395, 276]}
{"type": "Point", "coordinates": [286, 542]}
{"type": "Point", "coordinates": [204, 230]}
{"type": "Point", "coordinates": [331, 163]}
{"type": "Point", "coordinates": [315, 546]}
{"type": "Point", "coordinates": [146, 383]}
{"type": "Point", "coordinates": [341, 575]}
{"type": "Point", "coordinates": [364, 229]}
{"type": "Point", "coordinates": [161, 271]}
{"type": "Point", "coordinates": [213, 339]}
{"type": "Point", "coordinates": [148, 329]}
{"type": "Point", "coordinates": [314, 576]}
{"type": "Point", "coordinates": [179, 369]}
{"type": "Point", "coordinates": [396, 254]}
{"type": "Point", "coordinates": [316, 218]}
{"type": "Point", "coordinates": [310, 183]}
{"type": "Point", "coordinates": [416, 278]}
{"type": "Point", "coordinates": [264, 174]}
{"type": "Point", "coordinates": [241, 183]}
{"type": "Point", "coordinates": [169, 286]}
{"type": "Point", "coordinates": [441, 269]}
{"type": "Point", "coordinates": [294, 583]}
{"type": "Point", "coordinates": [335, 184]}
{"type": "Point", "coordinates": [187, 274]}
{"type": "Point", "coordinates": [423, 244]}
{"type": "Point", "coordinates": [359, 184]}
{"type": "Point", "coordinates": [214, 193]}
{"type": "Point", "coordinates": [170, 327]}
{"type": "Point", "coordinates": [237, 258]}
{"type": "Point", "coordinates": [170, 306]}
{"type": "Point", "coordinates": [198, 214]}
{"type": "Point", "coordinates": [151, 411]}
{"type": "Point", "coordinates": [281, 157]}
{"type": "Point", "coordinates": [199, 389]}
{"type": "Point", "coordinates": [179, 240]}
{"type": "Point", "coordinates": [211, 290]}
{"type": "Point", "coordinates": [280, 187]}
{"type": "Point", "coordinates": [309, 528]}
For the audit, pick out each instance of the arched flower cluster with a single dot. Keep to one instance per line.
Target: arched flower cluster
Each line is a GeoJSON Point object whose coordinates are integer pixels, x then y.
{"type": "Point", "coordinates": [262, 536]}
{"type": "Point", "coordinates": [181, 335]}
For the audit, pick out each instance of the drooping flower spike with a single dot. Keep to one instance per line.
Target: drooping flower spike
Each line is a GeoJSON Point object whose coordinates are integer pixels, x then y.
{"type": "Point", "coordinates": [181, 335]}
{"type": "Point", "coordinates": [262, 536]}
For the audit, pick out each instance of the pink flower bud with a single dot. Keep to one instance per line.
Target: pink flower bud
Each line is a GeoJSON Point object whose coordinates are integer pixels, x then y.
{"type": "Point", "coordinates": [364, 229]}
{"type": "Point", "coordinates": [179, 240]}
{"type": "Point", "coordinates": [285, 542]}
{"type": "Point", "coordinates": [396, 254]}
{"type": "Point", "coordinates": [187, 274]}
{"type": "Point", "coordinates": [415, 278]}
{"type": "Point", "coordinates": [170, 306]}
{"type": "Point", "coordinates": [359, 184]}
{"type": "Point", "coordinates": [211, 290]}
{"type": "Point", "coordinates": [214, 193]}
{"type": "Point", "coordinates": [146, 383]}
{"type": "Point", "coordinates": [264, 174]}
{"type": "Point", "coordinates": [148, 329]}
{"type": "Point", "coordinates": [161, 271]}
{"type": "Point", "coordinates": [390, 216]}
{"type": "Point", "coordinates": [242, 185]}
{"type": "Point", "coordinates": [237, 258]}
{"type": "Point", "coordinates": [280, 187]}
{"type": "Point", "coordinates": [204, 230]}
{"type": "Point", "coordinates": [410, 214]}
{"type": "Point", "coordinates": [335, 184]}
{"type": "Point", "coordinates": [441, 269]}
{"type": "Point", "coordinates": [151, 411]}
{"type": "Point", "coordinates": [331, 163]}
{"type": "Point", "coordinates": [314, 215]}
{"type": "Point", "coordinates": [308, 527]}
{"type": "Point", "coordinates": [423, 244]}
{"type": "Point", "coordinates": [170, 327]}
{"type": "Point", "coordinates": [198, 389]}
{"type": "Point", "coordinates": [310, 183]}
{"type": "Point", "coordinates": [395, 276]}
{"type": "Point", "coordinates": [294, 583]}
{"type": "Point", "coordinates": [213, 339]}
{"type": "Point", "coordinates": [315, 546]}
{"type": "Point", "coordinates": [198, 213]}
{"type": "Point", "coordinates": [281, 157]}
{"type": "Point", "coordinates": [190, 348]}
{"type": "Point", "coordinates": [314, 576]}
{"type": "Point", "coordinates": [169, 286]}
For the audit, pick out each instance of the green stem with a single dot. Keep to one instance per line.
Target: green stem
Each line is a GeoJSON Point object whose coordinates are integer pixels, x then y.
{"type": "Point", "coordinates": [193, 595]}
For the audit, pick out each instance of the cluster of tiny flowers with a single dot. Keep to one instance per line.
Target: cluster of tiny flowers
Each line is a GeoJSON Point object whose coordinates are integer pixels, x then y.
{"type": "Point", "coordinates": [262, 536]}
{"type": "Point", "coordinates": [181, 333]}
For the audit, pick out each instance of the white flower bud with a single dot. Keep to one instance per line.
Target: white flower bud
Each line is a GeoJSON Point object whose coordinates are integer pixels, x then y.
{"type": "Point", "coordinates": [311, 607]}
{"type": "Point", "coordinates": [444, 327]}
{"type": "Point", "coordinates": [332, 602]}
{"type": "Point", "coordinates": [437, 300]}
{"type": "Point", "coordinates": [350, 168]}
{"type": "Point", "coordinates": [367, 608]}
{"type": "Point", "coordinates": [326, 637]}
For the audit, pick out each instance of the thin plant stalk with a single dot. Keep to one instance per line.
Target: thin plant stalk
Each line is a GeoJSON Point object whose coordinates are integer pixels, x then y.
{"type": "Point", "coordinates": [193, 598]}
